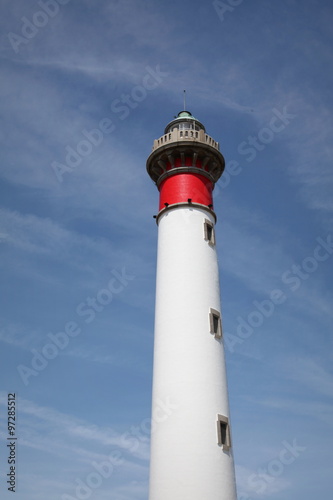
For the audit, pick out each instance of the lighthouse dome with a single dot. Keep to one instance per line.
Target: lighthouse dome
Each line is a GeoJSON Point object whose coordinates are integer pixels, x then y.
{"type": "Point", "coordinates": [184, 121]}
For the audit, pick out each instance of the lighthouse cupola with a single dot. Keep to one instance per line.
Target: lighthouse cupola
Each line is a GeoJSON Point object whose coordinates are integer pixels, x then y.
{"type": "Point", "coordinates": [184, 121]}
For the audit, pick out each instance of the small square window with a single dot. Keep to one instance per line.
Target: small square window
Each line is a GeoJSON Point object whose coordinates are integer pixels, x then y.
{"type": "Point", "coordinates": [209, 232]}
{"type": "Point", "coordinates": [215, 323]}
{"type": "Point", "coordinates": [223, 432]}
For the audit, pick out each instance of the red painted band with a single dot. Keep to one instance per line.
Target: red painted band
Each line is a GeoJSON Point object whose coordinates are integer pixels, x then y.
{"type": "Point", "coordinates": [179, 188]}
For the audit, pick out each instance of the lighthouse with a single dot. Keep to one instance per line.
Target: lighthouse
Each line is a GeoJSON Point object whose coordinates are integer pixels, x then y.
{"type": "Point", "coordinates": [191, 444]}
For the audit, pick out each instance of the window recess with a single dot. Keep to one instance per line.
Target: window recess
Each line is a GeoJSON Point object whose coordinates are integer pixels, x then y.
{"type": "Point", "coordinates": [223, 432]}
{"type": "Point", "coordinates": [209, 232]}
{"type": "Point", "coordinates": [215, 323]}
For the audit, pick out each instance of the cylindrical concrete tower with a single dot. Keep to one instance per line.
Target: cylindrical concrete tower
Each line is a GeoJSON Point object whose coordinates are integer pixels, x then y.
{"type": "Point", "coordinates": [191, 446]}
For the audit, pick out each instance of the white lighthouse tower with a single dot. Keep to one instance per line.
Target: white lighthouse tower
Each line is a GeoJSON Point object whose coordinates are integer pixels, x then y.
{"type": "Point", "coordinates": [191, 446]}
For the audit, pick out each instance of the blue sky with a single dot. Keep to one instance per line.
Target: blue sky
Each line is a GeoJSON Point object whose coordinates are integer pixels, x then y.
{"type": "Point", "coordinates": [86, 87]}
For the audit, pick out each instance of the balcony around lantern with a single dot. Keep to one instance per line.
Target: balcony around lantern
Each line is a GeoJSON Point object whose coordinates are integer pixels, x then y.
{"type": "Point", "coordinates": [193, 135]}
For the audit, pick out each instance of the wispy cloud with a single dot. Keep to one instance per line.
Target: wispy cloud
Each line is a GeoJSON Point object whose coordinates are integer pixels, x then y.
{"type": "Point", "coordinates": [69, 434]}
{"type": "Point", "coordinates": [311, 374]}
